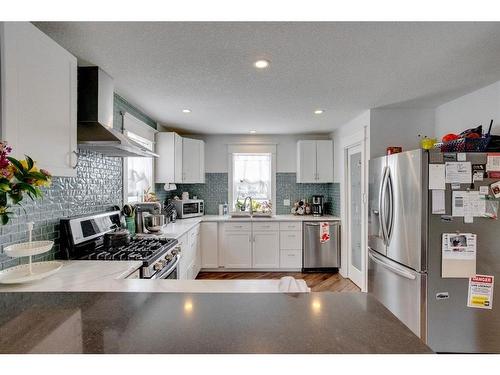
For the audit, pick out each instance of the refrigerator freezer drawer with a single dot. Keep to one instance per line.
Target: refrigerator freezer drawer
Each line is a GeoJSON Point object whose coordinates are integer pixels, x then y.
{"type": "Point", "coordinates": [321, 255]}
{"type": "Point", "coordinates": [399, 289]}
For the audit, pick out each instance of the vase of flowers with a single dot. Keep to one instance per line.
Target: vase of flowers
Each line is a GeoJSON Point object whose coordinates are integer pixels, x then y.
{"type": "Point", "coordinates": [18, 177]}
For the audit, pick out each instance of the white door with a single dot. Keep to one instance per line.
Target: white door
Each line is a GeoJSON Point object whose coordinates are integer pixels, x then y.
{"type": "Point", "coordinates": [237, 250]}
{"type": "Point", "coordinates": [306, 161]}
{"type": "Point", "coordinates": [355, 215]}
{"type": "Point", "coordinates": [178, 173]}
{"type": "Point", "coordinates": [201, 145]}
{"type": "Point", "coordinates": [324, 161]}
{"type": "Point", "coordinates": [190, 160]}
{"type": "Point", "coordinates": [266, 250]}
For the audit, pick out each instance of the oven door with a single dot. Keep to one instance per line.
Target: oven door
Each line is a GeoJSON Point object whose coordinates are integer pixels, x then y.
{"type": "Point", "coordinates": [169, 272]}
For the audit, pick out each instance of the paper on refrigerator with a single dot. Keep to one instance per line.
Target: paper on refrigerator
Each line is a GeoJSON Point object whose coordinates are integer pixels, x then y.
{"type": "Point", "coordinates": [438, 202]}
{"type": "Point", "coordinates": [437, 177]}
{"type": "Point", "coordinates": [468, 204]}
{"type": "Point", "coordinates": [480, 295]}
{"type": "Point", "coordinates": [458, 172]}
{"type": "Point", "coordinates": [458, 255]}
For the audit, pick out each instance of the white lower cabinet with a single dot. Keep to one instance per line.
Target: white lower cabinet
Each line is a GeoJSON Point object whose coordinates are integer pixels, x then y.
{"type": "Point", "coordinates": [291, 259]}
{"type": "Point", "coordinates": [184, 262]}
{"type": "Point", "coordinates": [190, 263]}
{"type": "Point", "coordinates": [209, 245]}
{"type": "Point", "coordinates": [261, 245]}
{"type": "Point", "coordinates": [266, 250]}
{"type": "Point", "coordinates": [237, 249]}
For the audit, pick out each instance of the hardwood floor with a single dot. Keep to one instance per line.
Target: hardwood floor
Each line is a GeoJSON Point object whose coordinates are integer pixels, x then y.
{"type": "Point", "coordinates": [318, 282]}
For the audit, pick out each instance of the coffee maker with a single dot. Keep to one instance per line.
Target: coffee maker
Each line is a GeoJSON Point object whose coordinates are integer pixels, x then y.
{"type": "Point", "coordinates": [317, 205]}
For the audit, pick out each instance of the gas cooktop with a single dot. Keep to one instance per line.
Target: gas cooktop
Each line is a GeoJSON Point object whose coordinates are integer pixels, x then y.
{"type": "Point", "coordinates": [144, 249]}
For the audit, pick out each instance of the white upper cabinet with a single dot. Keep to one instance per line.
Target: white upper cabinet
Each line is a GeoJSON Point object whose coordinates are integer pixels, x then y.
{"type": "Point", "coordinates": [314, 161]}
{"type": "Point", "coordinates": [193, 161]}
{"type": "Point", "coordinates": [38, 98]}
{"type": "Point", "coordinates": [168, 166]}
{"type": "Point", "coordinates": [181, 160]}
{"type": "Point", "coordinates": [324, 161]}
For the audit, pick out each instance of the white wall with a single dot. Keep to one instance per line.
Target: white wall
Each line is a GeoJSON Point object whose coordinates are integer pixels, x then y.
{"type": "Point", "coordinates": [399, 127]}
{"type": "Point", "coordinates": [469, 111]}
{"type": "Point", "coordinates": [343, 136]}
{"type": "Point", "coordinates": [286, 155]}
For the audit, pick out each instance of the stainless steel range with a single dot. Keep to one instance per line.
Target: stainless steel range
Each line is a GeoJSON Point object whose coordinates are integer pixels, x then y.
{"type": "Point", "coordinates": [83, 237]}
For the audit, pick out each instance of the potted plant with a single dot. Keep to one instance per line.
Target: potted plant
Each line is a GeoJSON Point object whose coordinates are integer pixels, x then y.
{"type": "Point", "coordinates": [17, 179]}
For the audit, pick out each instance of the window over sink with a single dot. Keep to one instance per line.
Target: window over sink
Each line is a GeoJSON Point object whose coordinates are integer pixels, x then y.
{"type": "Point", "coordinates": [252, 174]}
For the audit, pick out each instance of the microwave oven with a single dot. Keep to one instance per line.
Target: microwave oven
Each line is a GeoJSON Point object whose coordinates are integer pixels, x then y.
{"type": "Point", "coordinates": [189, 208]}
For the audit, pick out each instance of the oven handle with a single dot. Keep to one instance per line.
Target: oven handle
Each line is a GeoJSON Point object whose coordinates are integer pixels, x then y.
{"type": "Point", "coordinates": [164, 274]}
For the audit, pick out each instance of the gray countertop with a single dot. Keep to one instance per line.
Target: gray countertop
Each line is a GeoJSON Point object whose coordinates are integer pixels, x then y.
{"type": "Point", "coordinates": [200, 323]}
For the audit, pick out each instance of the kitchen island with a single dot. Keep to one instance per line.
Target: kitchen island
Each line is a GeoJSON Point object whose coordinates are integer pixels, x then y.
{"type": "Point", "coordinates": [54, 322]}
{"type": "Point", "coordinates": [113, 276]}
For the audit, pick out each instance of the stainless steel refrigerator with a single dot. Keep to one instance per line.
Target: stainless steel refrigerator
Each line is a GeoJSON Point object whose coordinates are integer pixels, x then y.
{"type": "Point", "coordinates": [404, 267]}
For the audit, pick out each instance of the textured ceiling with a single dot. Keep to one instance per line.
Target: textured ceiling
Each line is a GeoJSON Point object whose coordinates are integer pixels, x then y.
{"type": "Point", "coordinates": [344, 68]}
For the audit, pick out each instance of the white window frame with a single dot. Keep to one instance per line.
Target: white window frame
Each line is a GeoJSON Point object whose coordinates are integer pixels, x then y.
{"type": "Point", "coordinates": [133, 125]}
{"type": "Point", "coordinates": [251, 149]}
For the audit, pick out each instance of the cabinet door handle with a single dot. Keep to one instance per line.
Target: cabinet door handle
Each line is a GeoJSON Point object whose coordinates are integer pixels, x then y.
{"type": "Point", "coordinates": [77, 159]}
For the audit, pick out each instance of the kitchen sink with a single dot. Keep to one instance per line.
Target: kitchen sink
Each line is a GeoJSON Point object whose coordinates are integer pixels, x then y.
{"type": "Point", "coordinates": [241, 214]}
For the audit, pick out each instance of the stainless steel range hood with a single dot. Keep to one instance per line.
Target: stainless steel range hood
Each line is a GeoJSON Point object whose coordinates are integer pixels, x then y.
{"type": "Point", "coordinates": [95, 117]}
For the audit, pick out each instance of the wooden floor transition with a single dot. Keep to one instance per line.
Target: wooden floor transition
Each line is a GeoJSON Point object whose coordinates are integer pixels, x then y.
{"type": "Point", "coordinates": [318, 282]}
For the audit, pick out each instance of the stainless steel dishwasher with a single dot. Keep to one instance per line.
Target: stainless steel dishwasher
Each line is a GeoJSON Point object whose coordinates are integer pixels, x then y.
{"type": "Point", "coordinates": [321, 257]}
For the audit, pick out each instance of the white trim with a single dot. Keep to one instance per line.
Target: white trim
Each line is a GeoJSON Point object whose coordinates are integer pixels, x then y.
{"type": "Point", "coordinates": [355, 274]}
{"type": "Point", "coordinates": [136, 126]}
{"type": "Point", "coordinates": [258, 148]}
{"type": "Point", "coordinates": [360, 137]}
{"type": "Point", "coordinates": [251, 148]}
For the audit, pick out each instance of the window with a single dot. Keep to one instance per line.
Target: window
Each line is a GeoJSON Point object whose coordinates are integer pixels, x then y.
{"type": "Point", "coordinates": [252, 177]}
{"type": "Point", "coordinates": [139, 176]}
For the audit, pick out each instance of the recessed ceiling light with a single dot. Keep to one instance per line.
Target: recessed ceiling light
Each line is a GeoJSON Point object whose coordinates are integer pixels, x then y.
{"type": "Point", "coordinates": [319, 111]}
{"type": "Point", "coordinates": [253, 131]}
{"type": "Point", "coordinates": [186, 110]}
{"type": "Point", "coordinates": [261, 64]}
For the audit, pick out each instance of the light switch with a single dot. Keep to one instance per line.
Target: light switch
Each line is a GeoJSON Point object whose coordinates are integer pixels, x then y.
{"type": "Point", "coordinates": [286, 202]}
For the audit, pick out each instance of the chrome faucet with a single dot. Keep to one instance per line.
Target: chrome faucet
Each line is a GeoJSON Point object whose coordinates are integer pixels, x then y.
{"type": "Point", "coordinates": [251, 205]}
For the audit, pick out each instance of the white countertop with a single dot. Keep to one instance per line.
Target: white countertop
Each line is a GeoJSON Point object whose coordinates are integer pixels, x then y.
{"type": "Point", "coordinates": [182, 226]}
{"type": "Point", "coordinates": [109, 276]}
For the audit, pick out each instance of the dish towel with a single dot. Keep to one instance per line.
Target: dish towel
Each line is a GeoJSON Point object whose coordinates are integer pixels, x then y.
{"type": "Point", "coordinates": [324, 232]}
{"type": "Point", "coordinates": [288, 284]}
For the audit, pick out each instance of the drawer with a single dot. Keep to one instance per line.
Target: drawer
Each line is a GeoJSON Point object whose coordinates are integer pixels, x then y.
{"type": "Point", "coordinates": [291, 259]}
{"type": "Point", "coordinates": [266, 226]}
{"type": "Point", "coordinates": [237, 227]}
{"type": "Point", "coordinates": [291, 225]}
{"type": "Point", "coordinates": [290, 240]}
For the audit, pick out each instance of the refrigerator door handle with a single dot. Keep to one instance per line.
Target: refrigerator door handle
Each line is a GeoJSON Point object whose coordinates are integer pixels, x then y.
{"type": "Point", "coordinates": [390, 267]}
{"type": "Point", "coordinates": [381, 202]}
{"type": "Point", "coordinates": [390, 216]}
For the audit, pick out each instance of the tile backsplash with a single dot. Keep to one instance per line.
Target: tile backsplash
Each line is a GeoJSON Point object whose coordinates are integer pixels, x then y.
{"type": "Point", "coordinates": [97, 187]}
{"type": "Point", "coordinates": [215, 191]}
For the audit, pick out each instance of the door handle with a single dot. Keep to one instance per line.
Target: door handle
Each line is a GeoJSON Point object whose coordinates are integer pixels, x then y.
{"type": "Point", "coordinates": [390, 217]}
{"type": "Point", "coordinates": [396, 270]}
{"type": "Point", "coordinates": [381, 206]}
{"type": "Point", "coordinates": [312, 225]}
{"type": "Point", "coordinates": [77, 159]}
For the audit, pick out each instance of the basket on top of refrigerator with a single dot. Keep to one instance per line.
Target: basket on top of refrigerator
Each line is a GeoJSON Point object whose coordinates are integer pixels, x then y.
{"type": "Point", "coordinates": [470, 140]}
